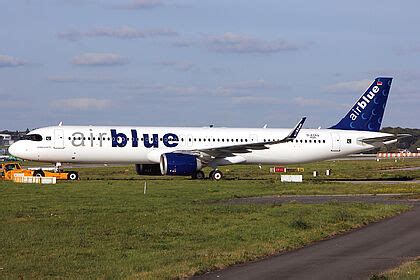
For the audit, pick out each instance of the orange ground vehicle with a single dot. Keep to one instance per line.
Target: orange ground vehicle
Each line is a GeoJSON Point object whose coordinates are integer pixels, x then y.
{"type": "Point", "coordinates": [8, 169]}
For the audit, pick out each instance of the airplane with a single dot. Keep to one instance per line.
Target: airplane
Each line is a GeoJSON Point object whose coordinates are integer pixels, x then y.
{"type": "Point", "coordinates": [185, 151]}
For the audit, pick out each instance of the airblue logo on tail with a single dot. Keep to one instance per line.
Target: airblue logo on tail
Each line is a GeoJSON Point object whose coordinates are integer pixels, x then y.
{"type": "Point", "coordinates": [367, 113]}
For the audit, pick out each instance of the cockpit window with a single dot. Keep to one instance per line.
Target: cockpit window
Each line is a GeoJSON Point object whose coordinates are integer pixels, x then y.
{"type": "Point", "coordinates": [32, 137]}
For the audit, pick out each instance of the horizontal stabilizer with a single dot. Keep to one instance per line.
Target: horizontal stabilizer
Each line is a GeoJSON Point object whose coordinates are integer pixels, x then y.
{"type": "Point", "coordinates": [384, 139]}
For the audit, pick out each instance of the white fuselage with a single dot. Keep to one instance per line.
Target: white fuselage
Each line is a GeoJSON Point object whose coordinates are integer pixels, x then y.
{"type": "Point", "coordinates": [95, 144]}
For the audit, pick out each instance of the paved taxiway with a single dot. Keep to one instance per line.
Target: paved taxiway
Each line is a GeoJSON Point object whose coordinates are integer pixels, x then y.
{"type": "Point", "coordinates": [356, 255]}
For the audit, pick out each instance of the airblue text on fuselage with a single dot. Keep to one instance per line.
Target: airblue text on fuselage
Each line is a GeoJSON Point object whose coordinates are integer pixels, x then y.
{"type": "Point", "coordinates": [119, 139]}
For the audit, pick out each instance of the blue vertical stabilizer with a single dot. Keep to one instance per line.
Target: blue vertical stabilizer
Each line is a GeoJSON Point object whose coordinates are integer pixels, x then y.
{"type": "Point", "coordinates": [367, 113]}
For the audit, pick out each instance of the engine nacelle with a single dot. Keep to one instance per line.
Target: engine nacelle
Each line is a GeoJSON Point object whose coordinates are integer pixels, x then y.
{"type": "Point", "coordinates": [179, 164]}
{"type": "Point", "coordinates": [148, 169]}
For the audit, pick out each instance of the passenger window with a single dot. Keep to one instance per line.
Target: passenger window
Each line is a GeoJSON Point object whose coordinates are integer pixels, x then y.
{"type": "Point", "coordinates": [48, 138]}
{"type": "Point", "coordinates": [323, 141]}
{"type": "Point", "coordinates": [348, 141]}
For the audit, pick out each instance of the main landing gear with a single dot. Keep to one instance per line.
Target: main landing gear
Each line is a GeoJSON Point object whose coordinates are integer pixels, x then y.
{"type": "Point", "coordinates": [214, 175]}
{"type": "Point", "coordinates": [199, 175]}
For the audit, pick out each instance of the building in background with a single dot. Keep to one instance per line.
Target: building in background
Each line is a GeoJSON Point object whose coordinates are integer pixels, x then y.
{"type": "Point", "coordinates": [6, 140]}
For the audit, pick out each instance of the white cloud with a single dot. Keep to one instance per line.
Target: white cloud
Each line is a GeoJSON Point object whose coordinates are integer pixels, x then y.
{"type": "Point", "coordinates": [252, 99]}
{"type": "Point", "coordinates": [73, 79]}
{"type": "Point", "coordinates": [180, 65]}
{"type": "Point", "coordinates": [140, 4]}
{"type": "Point", "coordinates": [10, 61]}
{"type": "Point", "coordinates": [236, 43]}
{"type": "Point", "coordinates": [98, 59]}
{"type": "Point", "coordinates": [168, 89]}
{"type": "Point", "coordinates": [242, 86]}
{"type": "Point", "coordinates": [351, 86]}
{"type": "Point", "coordinates": [123, 32]}
{"type": "Point", "coordinates": [304, 101]}
{"type": "Point", "coordinates": [83, 103]}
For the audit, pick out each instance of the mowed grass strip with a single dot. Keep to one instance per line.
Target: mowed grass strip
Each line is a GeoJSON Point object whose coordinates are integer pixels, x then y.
{"type": "Point", "coordinates": [407, 271]}
{"type": "Point", "coordinates": [110, 229]}
{"type": "Point", "coordinates": [340, 170]}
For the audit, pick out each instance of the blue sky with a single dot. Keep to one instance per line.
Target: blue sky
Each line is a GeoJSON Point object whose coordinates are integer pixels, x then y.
{"type": "Point", "coordinates": [194, 63]}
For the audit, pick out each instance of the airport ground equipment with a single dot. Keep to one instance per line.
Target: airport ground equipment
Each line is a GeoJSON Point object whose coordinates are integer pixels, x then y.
{"type": "Point", "coordinates": [292, 178]}
{"type": "Point", "coordinates": [397, 155]}
{"type": "Point", "coordinates": [280, 169]}
{"type": "Point", "coordinates": [9, 169]}
{"type": "Point", "coordinates": [19, 178]}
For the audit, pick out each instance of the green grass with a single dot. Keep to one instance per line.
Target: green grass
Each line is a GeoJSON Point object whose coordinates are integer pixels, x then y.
{"type": "Point", "coordinates": [342, 169]}
{"type": "Point", "coordinates": [407, 271]}
{"type": "Point", "coordinates": [105, 227]}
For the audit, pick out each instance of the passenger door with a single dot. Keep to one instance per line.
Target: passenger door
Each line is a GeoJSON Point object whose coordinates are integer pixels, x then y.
{"type": "Point", "coordinates": [336, 144]}
{"type": "Point", "coordinates": [58, 139]}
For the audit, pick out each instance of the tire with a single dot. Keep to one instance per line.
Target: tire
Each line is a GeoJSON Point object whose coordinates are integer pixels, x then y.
{"type": "Point", "coordinates": [217, 175]}
{"type": "Point", "coordinates": [38, 173]}
{"type": "Point", "coordinates": [72, 176]}
{"type": "Point", "coordinates": [211, 174]}
{"type": "Point", "coordinates": [199, 175]}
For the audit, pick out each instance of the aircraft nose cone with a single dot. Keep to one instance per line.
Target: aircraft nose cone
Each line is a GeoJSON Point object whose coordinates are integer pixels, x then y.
{"type": "Point", "coordinates": [15, 149]}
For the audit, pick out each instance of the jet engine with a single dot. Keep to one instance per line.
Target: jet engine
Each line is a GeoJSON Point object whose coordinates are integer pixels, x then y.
{"type": "Point", "coordinates": [148, 169]}
{"type": "Point", "coordinates": [179, 164]}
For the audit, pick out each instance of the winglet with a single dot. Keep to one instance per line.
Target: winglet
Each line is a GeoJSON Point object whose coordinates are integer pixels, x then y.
{"type": "Point", "coordinates": [294, 133]}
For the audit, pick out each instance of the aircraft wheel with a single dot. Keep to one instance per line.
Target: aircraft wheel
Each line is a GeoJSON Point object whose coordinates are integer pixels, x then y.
{"type": "Point", "coordinates": [217, 175]}
{"type": "Point", "coordinates": [38, 173]}
{"type": "Point", "coordinates": [72, 175]}
{"type": "Point", "coordinates": [199, 175]}
{"type": "Point", "coordinates": [211, 174]}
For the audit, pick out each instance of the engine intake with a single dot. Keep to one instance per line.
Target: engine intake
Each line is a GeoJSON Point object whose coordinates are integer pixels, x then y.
{"type": "Point", "coordinates": [179, 164]}
{"type": "Point", "coordinates": [148, 169]}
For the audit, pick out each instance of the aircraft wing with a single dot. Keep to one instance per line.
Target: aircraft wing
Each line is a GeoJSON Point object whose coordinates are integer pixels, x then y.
{"type": "Point", "coordinates": [231, 150]}
{"type": "Point", "coordinates": [384, 139]}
